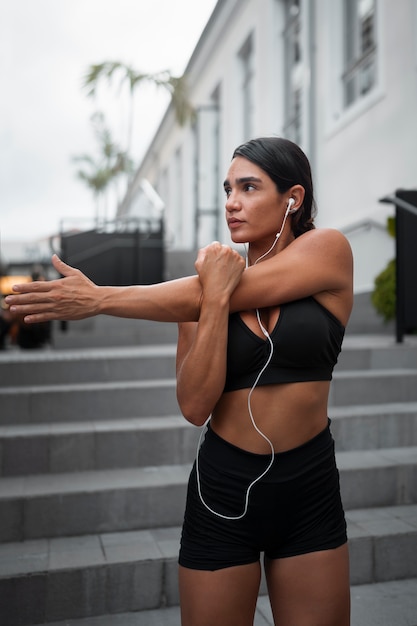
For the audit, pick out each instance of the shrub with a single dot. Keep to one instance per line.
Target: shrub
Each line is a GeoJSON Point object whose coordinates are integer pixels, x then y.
{"type": "Point", "coordinates": [384, 295]}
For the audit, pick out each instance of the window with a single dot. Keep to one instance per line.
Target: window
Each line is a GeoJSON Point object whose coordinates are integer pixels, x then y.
{"type": "Point", "coordinates": [359, 71]}
{"type": "Point", "coordinates": [352, 63]}
{"type": "Point", "coordinates": [207, 137]}
{"type": "Point", "coordinates": [293, 71]}
{"type": "Point", "coordinates": [177, 211]}
{"type": "Point", "coordinates": [246, 61]}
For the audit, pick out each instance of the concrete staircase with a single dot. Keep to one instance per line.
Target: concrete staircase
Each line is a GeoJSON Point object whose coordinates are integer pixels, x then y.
{"type": "Point", "coordinates": [95, 457]}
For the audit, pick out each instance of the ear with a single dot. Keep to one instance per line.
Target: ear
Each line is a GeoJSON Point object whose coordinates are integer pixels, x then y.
{"type": "Point", "coordinates": [297, 192]}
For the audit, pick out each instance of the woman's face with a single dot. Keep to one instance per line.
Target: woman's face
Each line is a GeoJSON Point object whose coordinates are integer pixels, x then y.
{"type": "Point", "coordinates": [254, 207]}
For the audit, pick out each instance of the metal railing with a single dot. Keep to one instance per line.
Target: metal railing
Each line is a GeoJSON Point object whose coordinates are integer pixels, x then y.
{"type": "Point", "coordinates": [405, 202]}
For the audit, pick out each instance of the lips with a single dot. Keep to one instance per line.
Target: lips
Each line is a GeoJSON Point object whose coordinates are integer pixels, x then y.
{"type": "Point", "coordinates": [234, 223]}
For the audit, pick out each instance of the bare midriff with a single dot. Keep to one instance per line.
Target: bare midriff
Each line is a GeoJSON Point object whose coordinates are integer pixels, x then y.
{"type": "Point", "coordinates": [288, 414]}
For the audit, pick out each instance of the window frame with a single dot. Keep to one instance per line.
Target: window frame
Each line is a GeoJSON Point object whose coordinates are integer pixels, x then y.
{"type": "Point", "coordinates": [246, 58]}
{"type": "Point", "coordinates": [338, 115]}
{"type": "Point", "coordinates": [293, 68]}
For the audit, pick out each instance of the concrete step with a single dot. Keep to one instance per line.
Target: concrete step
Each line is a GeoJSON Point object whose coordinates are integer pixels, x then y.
{"type": "Point", "coordinates": [48, 580]}
{"type": "Point", "coordinates": [137, 398]}
{"type": "Point", "coordinates": [58, 367]}
{"type": "Point", "coordinates": [366, 427]}
{"type": "Point", "coordinates": [87, 502]}
{"type": "Point", "coordinates": [140, 441]}
{"type": "Point", "coordinates": [361, 352]}
{"type": "Point", "coordinates": [371, 478]}
{"type": "Point", "coordinates": [107, 331]}
{"type": "Point", "coordinates": [78, 503]}
{"type": "Point", "coordinates": [143, 362]}
{"type": "Point", "coordinates": [373, 387]}
{"type": "Point", "coordinates": [87, 401]}
{"type": "Point", "coordinates": [96, 445]}
{"type": "Point", "coordinates": [378, 604]}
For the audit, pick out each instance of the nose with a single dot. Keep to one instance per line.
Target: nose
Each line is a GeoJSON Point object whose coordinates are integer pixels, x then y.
{"type": "Point", "coordinates": [232, 202]}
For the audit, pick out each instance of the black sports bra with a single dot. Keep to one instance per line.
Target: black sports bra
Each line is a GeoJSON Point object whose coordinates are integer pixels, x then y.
{"type": "Point", "coordinates": [307, 340]}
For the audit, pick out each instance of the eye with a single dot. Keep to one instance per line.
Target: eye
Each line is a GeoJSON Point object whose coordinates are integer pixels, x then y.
{"type": "Point", "coordinates": [227, 191]}
{"type": "Point", "coordinates": [249, 187]}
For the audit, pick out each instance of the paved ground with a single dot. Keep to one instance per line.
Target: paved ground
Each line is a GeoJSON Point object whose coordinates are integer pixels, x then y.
{"type": "Point", "coordinates": [383, 604]}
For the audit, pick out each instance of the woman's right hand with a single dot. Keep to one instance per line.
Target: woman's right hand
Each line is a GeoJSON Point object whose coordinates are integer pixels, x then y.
{"type": "Point", "coordinates": [72, 297]}
{"type": "Point", "coordinates": [219, 268]}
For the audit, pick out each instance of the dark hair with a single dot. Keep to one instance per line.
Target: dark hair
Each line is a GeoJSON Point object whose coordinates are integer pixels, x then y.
{"type": "Point", "coordinates": [287, 165]}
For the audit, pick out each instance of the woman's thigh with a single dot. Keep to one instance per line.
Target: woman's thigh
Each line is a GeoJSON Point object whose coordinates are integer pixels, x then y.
{"type": "Point", "coordinates": [310, 589]}
{"type": "Point", "coordinates": [224, 597]}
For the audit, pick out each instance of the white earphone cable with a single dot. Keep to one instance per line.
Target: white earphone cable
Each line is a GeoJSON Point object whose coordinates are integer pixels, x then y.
{"type": "Point", "coordinates": [204, 429]}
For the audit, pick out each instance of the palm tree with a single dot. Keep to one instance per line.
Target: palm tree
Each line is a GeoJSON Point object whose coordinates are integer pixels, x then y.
{"type": "Point", "coordinates": [106, 168]}
{"type": "Point", "coordinates": [175, 85]}
{"type": "Point", "coordinates": [96, 178]}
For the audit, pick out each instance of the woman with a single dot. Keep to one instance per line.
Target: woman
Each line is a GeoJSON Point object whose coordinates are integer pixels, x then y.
{"type": "Point", "coordinates": [256, 351]}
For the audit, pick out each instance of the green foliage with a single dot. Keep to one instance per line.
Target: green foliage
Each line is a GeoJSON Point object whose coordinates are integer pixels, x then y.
{"type": "Point", "coordinates": [176, 85]}
{"type": "Point", "coordinates": [102, 171]}
{"type": "Point", "coordinates": [391, 226]}
{"type": "Point", "coordinates": [384, 295]}
{"type": "Point", "coordinates": [113, 163]}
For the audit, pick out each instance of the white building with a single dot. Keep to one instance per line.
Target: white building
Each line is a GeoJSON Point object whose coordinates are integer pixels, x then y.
{"type": "Point", "coordinates": [339, 77]}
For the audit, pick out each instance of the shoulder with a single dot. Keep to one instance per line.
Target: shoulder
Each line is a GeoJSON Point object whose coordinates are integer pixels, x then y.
{"type": "Point", "coordinates": [322, 235]}
{"type": "Point", "coordinates": [323, 241]}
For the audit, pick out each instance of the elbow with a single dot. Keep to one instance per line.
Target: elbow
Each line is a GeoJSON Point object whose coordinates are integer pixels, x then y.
{"type": "Point", "coordinates": [197, 420]}
{"type": "Point", "coordinates": [193, 412]}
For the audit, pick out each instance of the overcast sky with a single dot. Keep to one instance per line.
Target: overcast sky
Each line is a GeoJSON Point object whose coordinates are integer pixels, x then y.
{"type": "Point", "coordinates": [46, 47]}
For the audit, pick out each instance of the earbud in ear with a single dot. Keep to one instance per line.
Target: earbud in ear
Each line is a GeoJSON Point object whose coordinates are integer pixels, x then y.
{"type": "Point", "coordinates": [291, 201]}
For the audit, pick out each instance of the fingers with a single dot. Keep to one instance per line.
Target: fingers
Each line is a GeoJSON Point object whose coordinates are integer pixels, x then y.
{"type": "Point", "coordinates": [35, 287]}
{"type": "Point", "coordinates": [61, 267]}
{"type": "Point", "coordinates": [39, 317]}
{"type": "Point", "coordinates": [216, 251]}
{"type": "Point", "coordinates": [23, 304]}
{"type": "Point", "coordinates": [32, 313]}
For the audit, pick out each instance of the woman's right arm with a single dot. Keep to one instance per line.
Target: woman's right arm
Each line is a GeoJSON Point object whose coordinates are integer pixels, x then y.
{"type": "Point", "coordinates": [75, 297]}
{"type": "Point", "coordinates": [317, 262]}
{"type": "Point", "coordinates": [202, 346]}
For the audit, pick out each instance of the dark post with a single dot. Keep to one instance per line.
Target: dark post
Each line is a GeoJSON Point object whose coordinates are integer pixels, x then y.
{"type": "Point", "coordinates": [405, 202]}
{"type": "Point", "coordinates": [406, 265]}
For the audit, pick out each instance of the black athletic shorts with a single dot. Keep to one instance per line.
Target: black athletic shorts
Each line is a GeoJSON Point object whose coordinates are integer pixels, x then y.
{"type": "Point", "coordinates": [294, 509]}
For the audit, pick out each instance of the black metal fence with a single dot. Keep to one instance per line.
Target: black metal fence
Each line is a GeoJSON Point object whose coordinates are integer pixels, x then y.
{"type": "Point", "coordinates": [111, 256]}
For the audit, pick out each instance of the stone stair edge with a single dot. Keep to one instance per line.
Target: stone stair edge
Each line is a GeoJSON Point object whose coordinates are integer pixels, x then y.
{"type": "Point", "coordinates": [352, 343]}
{"type": "Point", "coordinates": [370, 602]}
{"type": "Point", "coordinates": [336, 414]}
{"type": "Point", "coordinates": [86, 354]}
{"type": "Point", "coordinates": [50, 448]}
{"type": "Point", "coordinates": [87, 386]}
{"type": "Point", "coordinates": [163, 543]}
{"type": "Point", "coordinates": [38, 389]}
{"type": "Point", "coordinates": [117, 424]}
{"type": "Point", "coordinates": [90, 480]}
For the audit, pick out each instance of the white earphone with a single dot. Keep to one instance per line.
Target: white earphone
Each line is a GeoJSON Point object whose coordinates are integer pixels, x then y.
{"type": "Point", "coordinates": [291, 201]}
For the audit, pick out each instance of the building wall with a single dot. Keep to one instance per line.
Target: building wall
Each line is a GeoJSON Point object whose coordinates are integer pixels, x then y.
{"type": "Point", "coordinates": [366, 152]}
{"type": "Point", "coordinates": [358, 155]}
